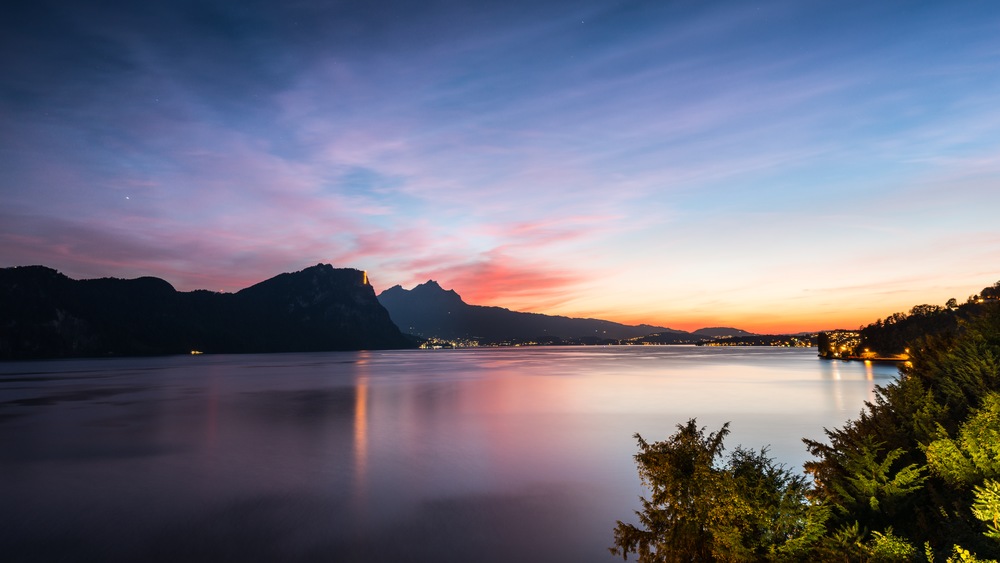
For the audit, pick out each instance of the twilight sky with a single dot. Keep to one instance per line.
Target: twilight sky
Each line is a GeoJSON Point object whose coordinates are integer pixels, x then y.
{"type": "Point", "coordinates": [776, 166]}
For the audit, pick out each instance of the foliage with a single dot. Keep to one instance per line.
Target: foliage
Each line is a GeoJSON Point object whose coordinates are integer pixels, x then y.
{"type": "Point", "coordinates": [681, 477]}
{"type": "Point", "coordinates": [749, 509]}
{"type": "Point", "coordinates": [975, 454]}
{"type": "Point", "coordinates": [896, 466]}
{"type": "Point", "coordinates": [869, 482]}
{"type": "Point", "coordinates": [920, 465]}
{"type": "Point", "coordinates": [762, 511]}
{"type": "Point", "coordinates": [973, 460]}
{"type": "Point", "coordinates": [888, 547]}
{"type": "Point", "coordinates": [900, 331]}
{"type": "Point", "coordinates": [960, 555]}
{"type": "Point", "coordinates": [986, 507]}
{"type": "Point", "coordinates": [992, 292]}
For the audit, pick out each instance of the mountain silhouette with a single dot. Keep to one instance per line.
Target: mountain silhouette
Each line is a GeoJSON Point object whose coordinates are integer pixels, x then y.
{"type": "Point", "coordinates": [721, 332]}
{"type": "Point", "coordinates": [46, 314]}
{"type": "Point", "coordinates": [429, 311]}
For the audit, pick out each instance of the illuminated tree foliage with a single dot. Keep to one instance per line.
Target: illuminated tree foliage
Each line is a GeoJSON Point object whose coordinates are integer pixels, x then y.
{"type": "Point", "coordinates": [919, 467]}
{"type": "Point", "coordinates": [974, 455]}
{"type": "Point", "coordinates": [987, 506]}
{"type": "Point", "coordinates": [748, 509]}
{"type": "Point", "coordinates": [895, 467]}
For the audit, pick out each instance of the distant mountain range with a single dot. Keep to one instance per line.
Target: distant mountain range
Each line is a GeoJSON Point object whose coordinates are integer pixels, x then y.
{"type": "Point", "coordinates": [46, 314]}
{"type": "Point", "coordinates": [429, 311]}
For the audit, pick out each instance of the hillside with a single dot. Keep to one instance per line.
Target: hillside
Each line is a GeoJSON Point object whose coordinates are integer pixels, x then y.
{"type": "Point", "coordinates": [48, 315]}
{"type": "Point", "coordinates": [721, 332]}
{"type": "Point", "coordinates": [429, 311]}
{"type": "Point", "coordinates": [893, 336]}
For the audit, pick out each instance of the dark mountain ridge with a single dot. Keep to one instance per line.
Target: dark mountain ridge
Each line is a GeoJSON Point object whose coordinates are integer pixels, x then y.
{"type": "Point", "coordinates": [721, 332]}
{"type": "Point", "coordinates": [44, 314]}
{"type": "Point", "coordinates": [429, 311]}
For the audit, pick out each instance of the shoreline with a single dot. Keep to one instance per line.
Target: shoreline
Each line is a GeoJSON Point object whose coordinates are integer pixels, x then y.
{"type": "Point", "coordinates": [878, 359]}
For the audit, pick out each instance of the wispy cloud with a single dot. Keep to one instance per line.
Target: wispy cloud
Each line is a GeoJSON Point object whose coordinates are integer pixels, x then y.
{"type": "Point", "coordinates": [539, 156]}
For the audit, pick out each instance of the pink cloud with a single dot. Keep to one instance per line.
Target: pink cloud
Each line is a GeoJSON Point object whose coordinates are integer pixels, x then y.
{"type": "Point", "coordinates": [501, 280]}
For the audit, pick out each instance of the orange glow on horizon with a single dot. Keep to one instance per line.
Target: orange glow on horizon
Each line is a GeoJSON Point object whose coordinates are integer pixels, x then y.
{"type": "Point", "coordinates": [760, 317]}
{"type": "Point", "coordinates": [792, 323]}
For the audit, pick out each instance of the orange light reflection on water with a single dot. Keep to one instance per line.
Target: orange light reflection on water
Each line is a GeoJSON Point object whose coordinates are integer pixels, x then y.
{"type": "Point", "coordinates": [361, 428]}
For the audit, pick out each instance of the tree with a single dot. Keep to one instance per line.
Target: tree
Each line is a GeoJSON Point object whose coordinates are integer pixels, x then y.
{"type": "Point", "coordinates": [682, 479]}
{"type": "Point", "coordinates": [972, 461]}
{"type": "Point", "coordinates": [750, 509]}
{"type": "Point", "coordinates": [762, 512]}
{"type": "Point", "coordinates": [871, 484]}
{"type": "Point", "coordinates": [925, 310]}
{"type": "Point", "coordinates": [975, 454]}
{"type": "Point", "coordinates": [987, 507]}
{"type": "Point", "coordinates": [895, 467]}
{"type": "Point", "coordinates": [919, 466]}
{"type": "Point", "coordinates": [992, 292]}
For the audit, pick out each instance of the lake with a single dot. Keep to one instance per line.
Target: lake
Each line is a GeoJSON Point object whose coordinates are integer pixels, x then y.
{"type": "Point", "coordinates": [497, 454]}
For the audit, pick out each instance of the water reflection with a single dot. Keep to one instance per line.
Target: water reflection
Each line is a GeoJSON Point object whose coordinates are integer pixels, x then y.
{"type": "Point", "coordinates": [360, 431]}
{"type": "Point", "coordinates": [852, 383]}
{"type": "Point", "coordinates": [487, 455]}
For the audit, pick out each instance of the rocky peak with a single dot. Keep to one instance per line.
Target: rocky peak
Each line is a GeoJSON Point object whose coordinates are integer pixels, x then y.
{"type": "Point", "coordinates": [433, 290]}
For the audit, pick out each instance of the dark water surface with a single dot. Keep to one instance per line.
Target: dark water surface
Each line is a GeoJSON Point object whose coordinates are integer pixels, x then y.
{"type": "Point", "coordinates": [521, 454]}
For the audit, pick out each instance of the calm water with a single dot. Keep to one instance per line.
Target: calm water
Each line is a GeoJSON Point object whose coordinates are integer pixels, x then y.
{"type": "Point", "coordinates": [520, 454]}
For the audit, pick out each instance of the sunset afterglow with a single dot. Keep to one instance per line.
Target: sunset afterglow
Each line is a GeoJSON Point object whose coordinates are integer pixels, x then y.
{"type": "Point", "coordinates": [774, 166]}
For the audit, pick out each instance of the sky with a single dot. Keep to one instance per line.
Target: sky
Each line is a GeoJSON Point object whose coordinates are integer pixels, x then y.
{"type": "Point", "coordinates": [778, 166]}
